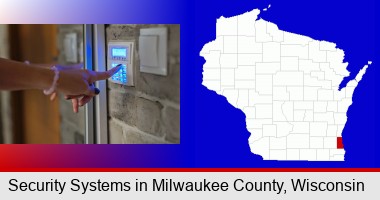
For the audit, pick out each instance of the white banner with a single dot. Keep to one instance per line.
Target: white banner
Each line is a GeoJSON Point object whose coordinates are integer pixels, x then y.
{"type": "Point", "coordinates": [190, 185]}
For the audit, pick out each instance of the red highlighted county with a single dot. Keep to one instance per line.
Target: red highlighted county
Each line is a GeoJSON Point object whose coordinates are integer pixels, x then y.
{"type": "Point", "coordinates": [339, 143]}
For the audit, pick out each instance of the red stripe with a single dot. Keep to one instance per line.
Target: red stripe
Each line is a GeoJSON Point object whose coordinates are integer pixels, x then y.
{"type": "Point", "coordinates": [189, 169]}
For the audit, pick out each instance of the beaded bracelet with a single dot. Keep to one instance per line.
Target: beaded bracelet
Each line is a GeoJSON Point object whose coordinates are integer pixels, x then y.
{"type": "Point", "coordinates": [55, 80]}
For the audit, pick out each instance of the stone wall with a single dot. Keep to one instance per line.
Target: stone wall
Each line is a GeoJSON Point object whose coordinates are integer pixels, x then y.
{"type": "Point", "coordinates": [149, 112]}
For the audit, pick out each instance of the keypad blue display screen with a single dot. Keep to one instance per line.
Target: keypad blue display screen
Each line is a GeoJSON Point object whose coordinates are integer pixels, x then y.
{"type": "Point", "coordinates": [119, 52]}
{"type": "Point", "coordinates": [121, 75]}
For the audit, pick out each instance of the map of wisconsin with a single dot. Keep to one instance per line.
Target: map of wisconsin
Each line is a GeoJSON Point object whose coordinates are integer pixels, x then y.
{"type": "Point", "coordinates": [286, 84]}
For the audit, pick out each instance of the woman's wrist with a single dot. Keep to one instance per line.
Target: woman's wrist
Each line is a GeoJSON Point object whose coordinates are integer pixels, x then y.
{"type": "Point", "coordinates": [54, 84]}
{"type": "Point", "coordinates": [20, 76]}
{"type": "Point", "coordinates": [43, 77]}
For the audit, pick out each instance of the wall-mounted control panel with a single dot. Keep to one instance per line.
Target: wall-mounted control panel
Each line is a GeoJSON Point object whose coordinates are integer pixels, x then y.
{"type": "Point", "coordinates": [121, 52]}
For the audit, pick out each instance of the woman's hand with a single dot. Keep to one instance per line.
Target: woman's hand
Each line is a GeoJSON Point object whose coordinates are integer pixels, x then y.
{"type": "Point", "coordinates": [78, 84]}
{"type": "Point", "coordinates": [70, 67]}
